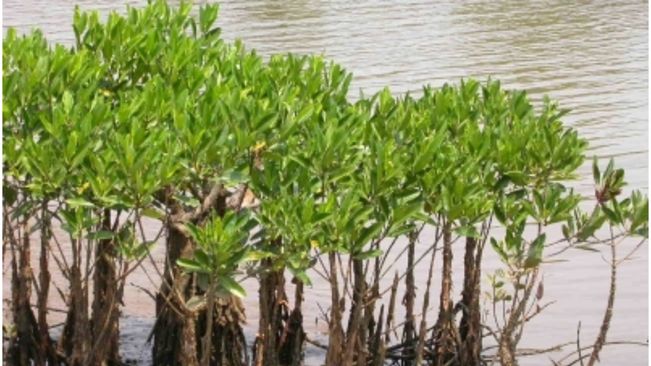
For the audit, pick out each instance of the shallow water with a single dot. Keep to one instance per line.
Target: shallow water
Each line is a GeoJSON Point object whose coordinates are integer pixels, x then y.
{"type": "Point", "coordinates": [591, 56]}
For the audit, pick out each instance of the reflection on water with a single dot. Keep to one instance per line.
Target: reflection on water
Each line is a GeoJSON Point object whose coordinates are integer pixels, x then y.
{"type": "Point", "coordinates": [284, 11]}
{"type": "Point", "coordinates": [591, 56]}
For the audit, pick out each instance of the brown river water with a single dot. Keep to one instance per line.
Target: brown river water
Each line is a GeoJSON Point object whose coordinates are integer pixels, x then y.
{"type": "Point", "coordinates": [592, 56]}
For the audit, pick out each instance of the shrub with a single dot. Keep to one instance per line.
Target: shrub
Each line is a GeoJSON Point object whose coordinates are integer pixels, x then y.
{"type": "Point", "coordinates": [152, 115]}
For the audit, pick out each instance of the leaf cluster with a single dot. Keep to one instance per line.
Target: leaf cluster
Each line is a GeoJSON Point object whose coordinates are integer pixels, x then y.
{"type": "Point", "coordinates": [151, 109]}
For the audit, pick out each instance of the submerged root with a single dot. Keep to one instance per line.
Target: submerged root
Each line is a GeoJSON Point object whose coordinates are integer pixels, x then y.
{"type": "Point", "coordinates": [177, 341]}
{"type": "Point", "coordinates": [228, 346]}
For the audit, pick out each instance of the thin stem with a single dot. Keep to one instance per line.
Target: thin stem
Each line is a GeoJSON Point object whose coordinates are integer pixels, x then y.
{"type": "Point", "coordinates": [605, 324]}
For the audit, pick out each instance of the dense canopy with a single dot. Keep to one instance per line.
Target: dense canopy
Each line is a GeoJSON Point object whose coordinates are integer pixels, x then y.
{"type": "Point", "coordinates": [264, 165]}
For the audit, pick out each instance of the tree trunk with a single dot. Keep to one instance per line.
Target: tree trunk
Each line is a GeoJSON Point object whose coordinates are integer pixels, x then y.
{"type": "Point", "coordinates": [367, 338]}
{"type": "Point", "coordinates": [506, 351]}
{"type": "Point", "coordinates": [280, 334]}
{"type": "Point", "coordinates": [206, 342]}
{"type": "Point", "coordinates": [228, 344]}
{"type": "Point", "coordinates": [175, 340]}
{"type": "Point", "coordinates": [293, 338]}
{"type": "Point", "coordinates": [446, 332]}
{"type": "Point", "coordinates": [105, 327]}
{"type": "Point", "coordinates": [409, 333]}
{"type": "Point", "coordinates": [508, 340]}
{"type": "Point", "coordinates": [470, 326]}
{"type": "Point", "coordinates": [46, 348]}
{"type": "Point", "coordinates": [336, 335]}
{"type": "Point", "coordinates": [176, 329]}
{"type": "Point", "coordinates": [376, 342]}
{"type": "Point", "coordinates": [24, 346]}
{"type": "Point", "coordinates": [75, 340]}
{"type": "Point", "coordinates": [355, 334]}
{"type": "Point", "coordinates": [273, 314]}
{"type": "Point", "coordinates": [373, 337]}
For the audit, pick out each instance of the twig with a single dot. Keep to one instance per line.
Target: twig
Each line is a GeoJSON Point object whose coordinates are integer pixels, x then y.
{"type": "Point", "coordinates": [611, 343]}
{"type": "Point", "coordinates": [149, 293]}
{"type": "Point", "coordinates": [605, 324]}
{"type": "Point", "coordinates": [628, 256]}
{"type": "Point", "coordinates": [315, 343]}
{"type": "Point", "coordinates": [578, 342]}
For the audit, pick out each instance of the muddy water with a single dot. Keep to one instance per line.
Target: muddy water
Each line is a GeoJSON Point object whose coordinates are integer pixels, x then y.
{"type": "Point", "coordinates": [592, 56]}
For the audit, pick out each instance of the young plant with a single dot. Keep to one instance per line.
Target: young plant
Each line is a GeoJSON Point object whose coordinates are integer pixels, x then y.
{"type": "Point", "coordinates": [221, 249]}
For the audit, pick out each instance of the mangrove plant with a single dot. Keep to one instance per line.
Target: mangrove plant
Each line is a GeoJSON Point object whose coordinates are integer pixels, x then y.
{"type": "Point", "coordinates": [265, 169]}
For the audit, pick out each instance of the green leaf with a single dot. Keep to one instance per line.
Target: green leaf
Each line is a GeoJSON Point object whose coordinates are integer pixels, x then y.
{"type": "Point", "coordinates": [586, 247]}
{"type": "Point", "coordinates": [643, 232]}
{"type": "Point", "coordinates": [501, 183]}
{"type": "Point", "coordinates": [613, 217]}
{"type": "Point", "coordinates": [202, 258]}
{"type": "Point", "coordinates": [67, 102]}
{"type": "Point", "coordinates": [498, 249]}
{"type": "Point", "coordinates": [368, 254]}
{"type": "Point", "coordinates": [518, 178]}
{"type": "Point", "coordinates": [566, 232]}
{"type": "Point", "coordinates": [302, 276]}
{"type": "Point", "coordinates": [403, 213]}
{"type": "Point", "coordinates": [207, 16]}
{"type": "Point", "coordinates": [640, 212]}
{"type": "Point", "coordinates": [9, 195]}
{"type": "Point", "coordinates": [609, 168]}
{"type": "Point", "coordinates": [234, 177]}
{"type": "Point", "coordinates": [257, 255]}
{"type": "Point", "coordinates": [596, 175]}
{"type": "Point", "coordinates": [101, 235]}
{"type": "Point", "coordinates": [79, 202]}
{"type": "Point", "coordinates": [153, 213]}
{"type": "Point", "coordinates": [500, 215]}
{"type": "Point", "coordinates": [467, 231]}
{"type": "Point", "coordinates": [231, 286]}
{"type": "Point", "coordinates": [143, 249]}
{"type": "Point", "coordinates": [594, 223]}
{"type": "Point", "coordinates": [368, 233]}
{"type": "Point", "coordinates": [534, 256]}
{"type": "Point", "coordinates": [190, 265]}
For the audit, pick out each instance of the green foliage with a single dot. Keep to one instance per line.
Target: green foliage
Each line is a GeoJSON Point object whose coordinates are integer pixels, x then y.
{"type": "Point", "coordinates": [151, 109]}
{"type": "Point", "coordinates": [221, 248]}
